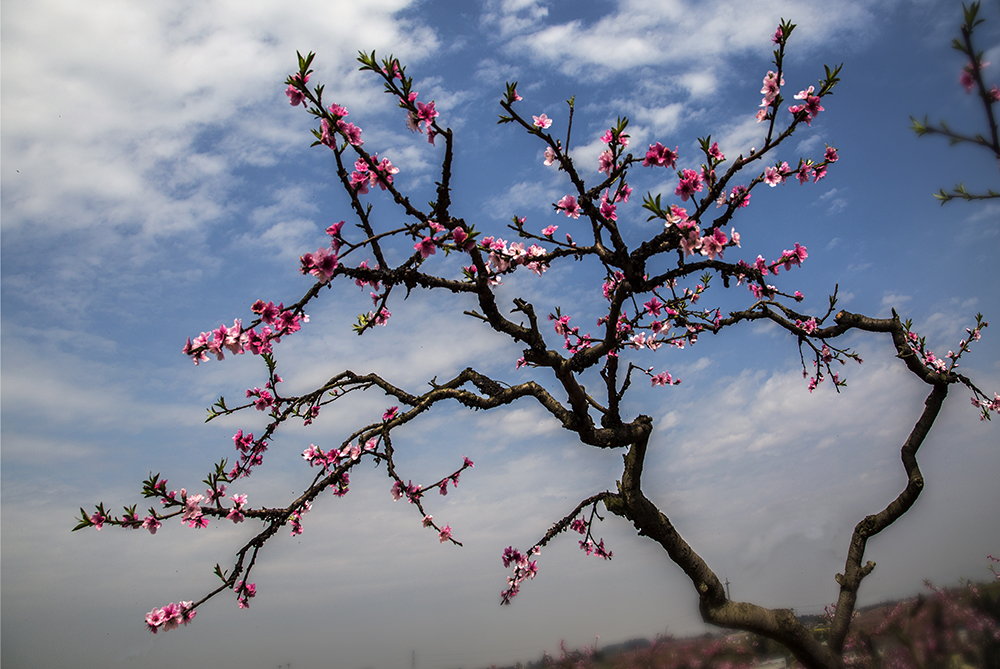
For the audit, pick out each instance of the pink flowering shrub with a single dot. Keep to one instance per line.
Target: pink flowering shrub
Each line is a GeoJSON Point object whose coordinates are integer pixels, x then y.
{"type": "Point", "coordinates": [655, 295]}
{"type": "Point", "coordinates": [943, 627]}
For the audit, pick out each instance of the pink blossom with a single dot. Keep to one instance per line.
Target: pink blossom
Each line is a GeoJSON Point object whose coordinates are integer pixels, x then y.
{"type": "Point", "coordinates": [296, 96]}
{"type": "Point", "coordinates": [337, 110]}
{"type": "Point", "coordinates": [606, 162]}
{"type": "Point", "coordinates": [608, 210]}
{"type": "Point", "coordinates": [691, 242]}
{"type": "Point", "coordinates": [170, 616]}
{"type": "Point", "coordinates": [550, 230]}
{"type": "Point", "coordinates": [561, 324]}
{"type": "Point", "coordinates": [98, 520]}
{"type": "Point", "coordinates": [965, 78]}
{"type": "Point", "coordinates": [426, 113]}
{"type": "Point", "coordinates": [352, 132]}
{"type": "Point", "coordinates": [268, 312]}
{"type": "Point", "coordinates": [662, 379]}
{"type": "Point", "coordinates": [426, 247]}
{"type": "Point", "coordinates": [810, 108]}
{"type": "Point", "coordinates": [623, 193]}
{"type": "Point", "coordinates": [777, 36]}
{"type": "Point", "coordinates": [771, 88]}
{"type": "Point", "coordinates": [151, 523]}
{"type": "Point", "coordinates": [660, 155]}
{"type": "Point", "coordinates": [326, 135]}
{"type": "Point", "coordinates": [245, 593]}
{"type": "Point", "coordinates": [550, 156]}
{"type": "Point", "coordinates": [715, 152]}
{"type": "Point", "coordinates": [676, 216]}
{"type": "Point", "coordinates": [809, 326]}
{"type": "Point", "coordinates": [383, 173]}
{"type": "Point", "coordinates": [192, 511]}
{"type": "Point", "coordinates": [460, 236]}
{"type": "Point", "coordinates": [428, 521]}
{"type": "Point", "coordinates": [740, 194]}
{"type": "Point", "coordinates": [772, 177]}
{"type": "Point", "coordinates": [542, 121]}
{"type": "Point", "coordinates": [393, 71]}
{"type": "Point", "coordinates": [381, 318]}
{"type": "Point", "coordinates": [445, 534]}
{"type": "Point", "coordinates": [690, 183]}
{"type": "Point", "coordinates": [793, 257]}
{"type": "Point", "coordinates": [831, 155]}
{"type": "Point", "coordinates": [712, 244]}
{"type": "Point", "coordinates": [805, 173]}
{"type": "Point", "coordinates": [235, 514]}
{"type": "Point", "coordinates": [653, 306]}
{"type": "Point", "coordinates": [569, 206]}
{"type": "Point", "coordinates": [390, 413]}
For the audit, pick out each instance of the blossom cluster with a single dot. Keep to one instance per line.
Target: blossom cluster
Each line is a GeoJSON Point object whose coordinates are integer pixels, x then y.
{"type": "Point", "coordinates": [524, 568]}
{"type": "Point", "coordinates": [504, 257]}
{"type": "Point", "coordinates": [296, 518]}
{"type": "Point", "coordinates": [587, 544]}
{"type": "Point", "coordinates": [788, 258]}
{"type": "Point", "coordinates": [170, 616]}
{"type": "Point", "coordinates": [562, 328]}
{"type": "Point", "coordinates": [350, 132]}
{"type": "Point", "coordinates": [413, 491]}
{"type": "Point", "coordinates": [968, 80]}
{"type": "Point", "coordinates": [949, 362]}
{"type": "Point", "coordinates": [772, 86]}
{"type": "Point", "coordinates": [238, 340]}
{"type": "Point", "coordinates": [381, 175]}
{"type": "Point", "coordinates": [419, 115]}
{"type": "Point", "coordinates": [245, 593]}
{"type": "Point", "coordinates": [711, 243]}
{"type": "Point", "coordinates": [458, 239]}
{"type": "Point", "coordinates": [810, 106]}
{"type": "Point", "coordinates": [333, 458]}
{"type": "Point", "coordinates": [251, 453]}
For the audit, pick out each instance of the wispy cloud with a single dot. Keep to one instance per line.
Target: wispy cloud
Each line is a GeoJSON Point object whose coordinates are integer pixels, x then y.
{"type": "Point", "coordinates": [692, 38]}
{"type": "Point", "coordinates": [157, 110]}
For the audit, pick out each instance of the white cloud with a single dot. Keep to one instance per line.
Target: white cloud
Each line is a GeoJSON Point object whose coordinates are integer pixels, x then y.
{"type": "Point", "coordinates": [835, 204]}
{"type": "Point", "coordinates": [894, 301]}
{"type": "Point", "coordinates": [521, 197]}
{"type": "Point", "coordinates": [513, 16]}
{"type": "Point", "coordinates": [158, 107]}
{"type": "Point", "coordinates": [693, 38]}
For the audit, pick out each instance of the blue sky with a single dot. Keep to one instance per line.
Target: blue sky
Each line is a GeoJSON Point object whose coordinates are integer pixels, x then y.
{"type": "Point", "coordinates": [155, 182]}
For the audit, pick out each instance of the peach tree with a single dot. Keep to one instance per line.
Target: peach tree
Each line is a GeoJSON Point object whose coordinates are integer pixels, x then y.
{"type": "Point", "coordinates": [654, 293]}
